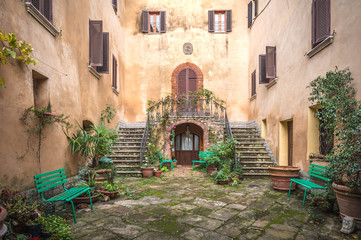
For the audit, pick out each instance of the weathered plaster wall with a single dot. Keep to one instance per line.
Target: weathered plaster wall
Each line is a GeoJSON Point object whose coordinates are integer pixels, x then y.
{"type": "Point", "coordinates": [286, 24]}
{"type": "Point", "coordinates": [73, 90]}
{"type": "Point", "coordinates": [152, 58]}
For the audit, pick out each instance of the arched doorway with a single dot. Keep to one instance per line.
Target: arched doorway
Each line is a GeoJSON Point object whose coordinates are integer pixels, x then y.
{"type": "Point", "coordinates": [188, 143]}
{"type": "Point", "coordinates": [195, 78]}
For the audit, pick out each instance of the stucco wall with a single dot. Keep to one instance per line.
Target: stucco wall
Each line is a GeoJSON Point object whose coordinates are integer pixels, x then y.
{"type": "Point", "coordinates": [152, 58]}
{"type": "Point", "coordinates": [73, 90]}
{"type": "Point", "coordinates": [286, 24]}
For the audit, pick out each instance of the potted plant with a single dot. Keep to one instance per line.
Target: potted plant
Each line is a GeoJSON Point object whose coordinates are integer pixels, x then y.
{"type": "Point", "coordinates": [340, 113]}
{"type": "Point", "coordinates": [324, 199]}
{"type": "Point", "coordinates": [213, 163]}
{"type": "Point", "coordinates": [281, 177]}
{"type": "Point", "coordinates": [33, 225]}
{"type": "Point", "coordinates": [55, 227]}
{"type": "Point", "coordinates": [164, 169]}
{"type": "Point", "coordinates": [147, 169]}
{"type": "Point", "coordinates": [23, 236]}
{"type": "Point", "coordinates": [110, 189]}
{"type": "Point", "coordinates": [84, 197]}
{"type": "Point", "coordinates": [158, 173]}
{"type": "Point", "coordinates": [221, 178]}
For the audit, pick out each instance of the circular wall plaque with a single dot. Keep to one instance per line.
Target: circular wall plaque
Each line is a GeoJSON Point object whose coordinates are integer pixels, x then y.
{"type": "Point", "coordinates": [187, 48]}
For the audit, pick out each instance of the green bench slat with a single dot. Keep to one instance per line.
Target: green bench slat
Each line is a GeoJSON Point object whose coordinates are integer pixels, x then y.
{"type": "Point", "coordinates": [40, 180]}
{"type": "Point", "coordinates": [69, 195]}
{"type": "Point", "coordinates": [40, 190]}
{"type": "Point", "coordinates": [318, 166]}
{"type": "Point", "coordinates": [49, 173]}
{"type": "Point", "coordinates": [43, 184]}
{"type": "Point", "coordinates": [306, 183]}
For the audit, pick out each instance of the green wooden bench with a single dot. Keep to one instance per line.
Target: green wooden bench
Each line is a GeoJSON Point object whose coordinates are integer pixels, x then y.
{"type": "Point", "coordinates": [49, 180]}
{"type": "Point", "coordinates": [315, 171]}
{"type": "Point", "coordinates": [162, 160]}
{"type": "Point", "coordinates": [202, 155]}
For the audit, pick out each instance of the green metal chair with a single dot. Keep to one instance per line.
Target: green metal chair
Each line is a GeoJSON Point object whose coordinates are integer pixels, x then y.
{"type": "Point", "coordinates": [162, 160]}
{"type": "Point", "coordinates": [202, 155]}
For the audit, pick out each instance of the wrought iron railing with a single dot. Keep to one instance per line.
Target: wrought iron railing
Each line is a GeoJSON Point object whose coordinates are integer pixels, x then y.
{"type": "Point", "coordinates": [186, 108]}
{"type": "Point", "coordinates": [230, 134]}
{"type": "Point", "coordinates": [143, 144]}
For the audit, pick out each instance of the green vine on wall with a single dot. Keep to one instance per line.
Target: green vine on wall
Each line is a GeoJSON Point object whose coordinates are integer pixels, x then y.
{"type": "Point", "coordinates": [37, 119]}
{"type": "Point", "coordinates": [12, 48]}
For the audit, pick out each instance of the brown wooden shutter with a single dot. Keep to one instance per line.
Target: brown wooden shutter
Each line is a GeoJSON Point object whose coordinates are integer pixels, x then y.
{"type": "Point", "coordinates": [95, 43]}
{"type": "Point", "coordinates": [115, 73]}
{"type": "Point", "coordinates": [105, 67]}
{"type": "Point", "coordinates": [113, 70]}
{"type": "Point", "coordinates": [48, 10]}
{"type": "Point", "coordinates": [145, 23]}
{"type": "Point", "coordinates": [262, 69]}
{"type": "Point", "coordinates": [210, 21]}
{"type": "Point", "coordinates": [115, 4]}
{"type": "Point", "coordinates": [321, 20]}
{"type": "Point", "coordinates": [35, 3]}
{"type": "Point", "coordinates": [253, 83]}
{"type": "Point", "coordinates": [182, 83]}
{"type": "Point", "coordinates": [249, 14]}
{"type": "Point", "coordinates": [270, 62]}
{"type": "Point", "coordinates": [255, 8]}
{"type": "Point", "coordinates": [192, 80]}
{"type": "Point", "coordinates": [229, 20]}
{"type": "Point", "coordinates": [162, 22]}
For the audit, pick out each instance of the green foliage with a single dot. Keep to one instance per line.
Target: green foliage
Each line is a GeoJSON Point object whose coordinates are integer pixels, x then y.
{"type": "Point", "coordinates": [164, 169]}
{"type": "Point", "coordinates": [214, 136]}
{"type": "Point", "coordinates": [224, 150]}
{"type": "Point", "coordinates": [323, 198]}
{"type": "Point", "coordinates": [57, 226]}
{"type": "Point", "coordinates": [94, 144]}
{"type": "Point", "coordinates": [221, 176]}
{"type": "Point", "coordinates": [207, 95]}
{"type": "Point", "coordinates": [21, 237]}
{"type": "Point", "coordinates": [213, 161]}
{"type": "Point", "coordinates": [108, 165]}
{"type": "Point", "coordinates": [153, 149]}
{"type": "Point", "coordinates": [111, 187]}
{"type": "Point", "coordinates": [12, 48]}
{"type": "Point", "coordinates": [107, 114]}
{"type": "Point", "coordinates": [341, 114]}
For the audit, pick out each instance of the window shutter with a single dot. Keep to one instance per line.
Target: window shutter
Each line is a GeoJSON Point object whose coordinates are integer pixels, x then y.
{"type": "Point", "coordinates": [255, 8]}
{"type": "Point", "coordinates": [95, 43]}
{"type": "Point", "coordinates": [322, 20]}
{"type": "Point", "coordinates": [48, 11]}
{"type": "Point", "coordinates": [115, 4]}
{"type": "Point", "coordinates": [253, 83]}
{"type": "Point", "coordinates": [210, 21]}
{"type": "Point", "coordinates": [313, 22]}
{"type": "Point", "coordinates": [229, 20]}
{"type": "Point", "coordinates": [105, 67]}
{"type": "Point", "coordinates": [249, 14]}
{"type": "Point", "coordinates": [182, 83]}
{"type": "Point", "coordinates": [192, 80]}
{"type": "Point", "coordinates": [270, 62]}
{"type": "Point", "coordinates": [113, 70]}
{"type": "Point", "coordinates": [115, 73]}
{"type": "Point", "coordinates": [145, 27]}
{"type": "Point", "coordinates": [262, 69]}
{"type": "Point", "coordinates": [35, 3]}
{"type": "Point", "coordinates": [162, 22]}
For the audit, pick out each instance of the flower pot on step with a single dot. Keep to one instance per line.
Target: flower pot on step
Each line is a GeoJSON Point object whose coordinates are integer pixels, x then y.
{"type": "Point", "coordinates": [147, 172]}
{"type": "Point", "coordinates": [281, 177]}
{"type": "Point", "coordinates": [157, 173]}
{"type": "Point", "coordinates": [349, 202]}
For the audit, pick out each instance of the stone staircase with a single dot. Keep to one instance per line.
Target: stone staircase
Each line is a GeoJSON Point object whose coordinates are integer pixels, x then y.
{"type": "Point", "coordinates": [127, 149]}
{"type": "Point", "coordinates": [252, 150]}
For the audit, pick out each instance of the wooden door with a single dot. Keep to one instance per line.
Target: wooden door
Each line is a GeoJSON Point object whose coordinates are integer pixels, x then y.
{"type": "Point", "coordinates": [290, 142]}
{"type": "Point", "coordinates": [187, 83]}
{"type": "Point", "coordinates": [187, 148]}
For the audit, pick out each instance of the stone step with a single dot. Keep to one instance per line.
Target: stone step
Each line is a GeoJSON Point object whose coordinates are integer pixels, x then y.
{"type": "Point", "coordinates": [254, 158]}
{"type": "Point", "coordinates": [125, 148]}
{"type": "Point", "coordinates": [130, 135]}
{"type": "Point", "coordinates": [133, 161]}
{"type": "Point", "coordinates": [250, 148]}
{"type": "Point", "coordinates": [130, 144]}
{"type": "Point", "coordinates": [259, 152]}
{"type": "Point", "coordinates": [255, 168]}
{"type": "Point", "coordinates": [258, 174]}
{"type": "Point", "coordinates": [257, 164]}
{"type": "Point", "coordinates": [250, 140]}
{"type": "Point", "coordinates": [120, 140]}
{"type": "Point", "coordinates": [125, 151]}
{"type": "Point", "coordinates": [129, 172]}
{"type": "Point", "coordinates": [124, 157]}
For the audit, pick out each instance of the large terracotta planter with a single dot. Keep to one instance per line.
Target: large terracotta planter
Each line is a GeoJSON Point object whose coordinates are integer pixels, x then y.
{"type": "Point", "coordinates": [281, 177]}
{"type": "Point", "coordinates": [349, 202]}
{"type": "Point", "coordinates": [3, 215]}
{"type": "Point", "coordinates": [147, 172]}
{"type": "Point", "coordinates": [78, 200]}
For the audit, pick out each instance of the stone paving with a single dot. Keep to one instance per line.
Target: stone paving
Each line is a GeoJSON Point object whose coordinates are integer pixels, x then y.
{"type": "Point", "coordinates": [189, 205]}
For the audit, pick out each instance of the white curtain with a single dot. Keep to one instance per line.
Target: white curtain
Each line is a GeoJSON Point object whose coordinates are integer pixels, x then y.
{"type": "Point", "coordinates": [177, 142]}
{"type": "Point", "coordinates": [187, 143]}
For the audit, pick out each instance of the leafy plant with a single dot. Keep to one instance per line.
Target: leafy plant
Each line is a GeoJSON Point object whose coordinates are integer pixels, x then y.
{"type": "Point", "coordinates": [111, 187]}
{"type": "Point", "coordinates": [107, 114]}
{"type": "Point", "coordinates": [57, 226]}
{"type": "Point", "coordinates": [341, 114]}
{"type": "Point", "coordinates": [221, 176]}
{"type": "Point", "coordinates": [213, 161]}
{"type": "Point", "coordinates": [21, 237]}
{"type": "Point", "coordinates": [43, 119]}
{"type": "Point", "coordinates": [322, 198]}
{"type": "Point", "coordinates": [12, 48]}
{"type": "Point", "coordinates": [164, 169]}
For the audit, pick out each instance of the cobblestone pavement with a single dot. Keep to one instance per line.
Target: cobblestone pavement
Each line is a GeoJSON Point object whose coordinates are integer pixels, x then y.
{"type": "Point", "coordinates": [189, 205]}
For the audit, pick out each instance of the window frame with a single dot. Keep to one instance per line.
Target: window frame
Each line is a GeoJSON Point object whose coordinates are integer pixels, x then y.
{"type": "Point", "coordinates": [316, 27]}
{"type": "Point", "coordinates": [219, 13]}
{"type": "Point", "coordinates": [153, 13]}
{"type": "Point", "coordinates": [114, 73]}
{"type": "Point", "coordinates": [253, 83]}
{"type": "Point", "coordinates": [227, 21]}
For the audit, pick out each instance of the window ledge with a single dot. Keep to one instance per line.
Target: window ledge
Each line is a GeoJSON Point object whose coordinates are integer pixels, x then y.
{"type": "Point", "coordinates": [115, 91]}
{"type": "Point", "coordinates": [94, 72]}
{"type": "Point", "coordinates": [320, 46]}
{"type": "Point", "coordinates": [272, 83]}
{"type": "Point", "coordinates": [41, 19]}
{"type": "Point", "coordinates": [253, 97]}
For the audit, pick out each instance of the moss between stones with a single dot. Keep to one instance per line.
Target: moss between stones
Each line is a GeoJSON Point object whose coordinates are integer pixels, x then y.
{"type": "Point", "coordinates": [202, 211]}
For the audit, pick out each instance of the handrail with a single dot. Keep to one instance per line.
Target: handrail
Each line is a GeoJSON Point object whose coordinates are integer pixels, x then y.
{"type": "Point", "coordinates": [144, 140]}
{"type": "Point", "coordinates": [230, 134]}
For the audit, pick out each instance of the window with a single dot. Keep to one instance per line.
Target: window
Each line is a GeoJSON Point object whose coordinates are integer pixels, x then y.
{"type": "Point", "coordinates": [115, 5]}
{"type": "Point", "coordinates": [41, 90]}
{"type": "Point", "coordinates": [255, 8]}
{"type": "Point", "coordinates": [115, 73]}
{"type": "Point", "coordinates": [220, 21]}
{"type": "Point", "coordinates": [45, 7]}
{"type": "Point", "coordinates": [321, 21]}
{"type": "Point", "coordinates": [249, 14]}
{"type": "Point", "coordinates": [153, 22]}
{"type": "Point", "coordinates": [98, 47]}
{"type": "Point", "coordinates": [253, 83]}
{"type": "Point", "coordinates": [267, 65]}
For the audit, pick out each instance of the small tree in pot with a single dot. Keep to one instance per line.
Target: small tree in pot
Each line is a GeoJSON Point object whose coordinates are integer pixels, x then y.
{"type": "Point", "coordinates": [341, 114]}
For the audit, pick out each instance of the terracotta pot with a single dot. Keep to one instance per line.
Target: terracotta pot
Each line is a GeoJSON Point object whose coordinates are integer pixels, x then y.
{"type": "Point", "coordinates": [222, 182]}
{"type": "Point", "coordinates": [102, 174]}
{"type": "Point", "coordinates": [111, 195]}
{"type": "Point", "coordinates": [157, 173]}
{"type": "Point", "coordinates": [349, 202]}
{"type": "Point", "coordinates": [17, 226]}
{"type": "Point", "coordinates": [3, 215]}
{"type": "Point", "coordinates": [34, 230]}
{"type": "Point", "coordinates": [78, 200]}
{"type": "Point", "coordinates": [281, 177]}
{"type": "Point", "coordinates": [147, 172]}
{"type": "Point", "coordinates": [210, 170]}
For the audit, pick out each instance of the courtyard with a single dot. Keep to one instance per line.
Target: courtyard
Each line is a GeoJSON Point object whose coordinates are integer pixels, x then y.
{"type": "Point", "coordinates": [187, 204]}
